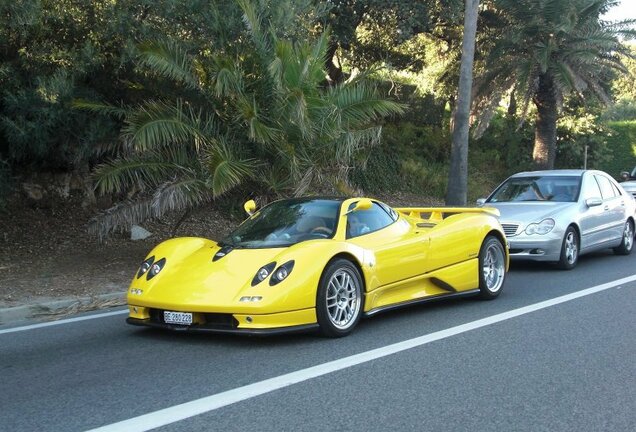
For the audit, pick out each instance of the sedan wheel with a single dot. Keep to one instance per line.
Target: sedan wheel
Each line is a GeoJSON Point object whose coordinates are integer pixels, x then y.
{"type": "Point", "coordinates": [339, 299]}
{"type": "Point", "coordinates": [569, 250]}
{"type": "Point", "coordinates": [492, 264]}
{"type": "Point", "coordinates": [627, 244]}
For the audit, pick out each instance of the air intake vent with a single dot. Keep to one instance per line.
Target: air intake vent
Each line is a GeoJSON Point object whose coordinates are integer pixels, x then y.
{"type": "Point", "coordinates": [510, 229]}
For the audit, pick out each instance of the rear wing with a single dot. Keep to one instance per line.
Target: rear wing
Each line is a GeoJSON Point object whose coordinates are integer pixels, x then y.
{"type": "Point", "coordinates": [438, 213]}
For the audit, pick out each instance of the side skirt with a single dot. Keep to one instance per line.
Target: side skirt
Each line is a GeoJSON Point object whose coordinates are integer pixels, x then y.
{"type": "Point", "coordinates": [430, 299]}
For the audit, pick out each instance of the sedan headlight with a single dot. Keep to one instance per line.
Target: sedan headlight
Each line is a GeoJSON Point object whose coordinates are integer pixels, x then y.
{"type": "Point", "coordinates": [156, 268]}
{"type": "Point", "coordinates": [263, 273]}
{"type": "Point", "coordinates": [541, 228]}
{"type": "Point", "coordinates": [145, 266]}
{"type": "Point", "coordinates": [281, 273]}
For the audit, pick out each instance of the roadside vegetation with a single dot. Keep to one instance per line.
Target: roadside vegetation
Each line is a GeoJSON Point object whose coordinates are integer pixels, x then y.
{"type": "Point", "coordinates": [164, 105]}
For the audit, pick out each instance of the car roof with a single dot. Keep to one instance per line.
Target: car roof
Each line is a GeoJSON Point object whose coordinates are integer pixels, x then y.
{"type": "Point", "coordinates": [550, 173]}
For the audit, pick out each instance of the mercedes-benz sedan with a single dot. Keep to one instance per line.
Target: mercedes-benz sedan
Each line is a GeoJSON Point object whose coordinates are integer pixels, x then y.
{"type": "Point", "coordinates": [558, 215]}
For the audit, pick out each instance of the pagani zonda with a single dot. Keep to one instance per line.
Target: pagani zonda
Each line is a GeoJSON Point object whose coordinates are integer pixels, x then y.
{"type": "Point", "coordinates": [319, 262]}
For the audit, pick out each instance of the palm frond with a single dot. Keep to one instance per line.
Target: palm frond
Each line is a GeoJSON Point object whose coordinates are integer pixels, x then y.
{"type": "Point", "coordinates": [157, 123]}
{"type": "Point", "coordinates": [101, 108]}
{"type": "Point", "coordinates": [120, 217]}
{"type": "Point", "coordinates": [178, 195]}
{"type": "Point", "coordinates": [120, 175]}
{"type": "Point", "coordinates": [169, 60]}
{"type": "Point", "coordinates": [227, 168]}
{"type": "Point", "coordinates": [359, 105]}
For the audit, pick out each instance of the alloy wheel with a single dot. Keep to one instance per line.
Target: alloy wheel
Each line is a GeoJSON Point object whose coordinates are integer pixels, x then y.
{"type": "Point", "coordinates": [343, 298]}
{"type": "Point", "coordinates": [493, 267]}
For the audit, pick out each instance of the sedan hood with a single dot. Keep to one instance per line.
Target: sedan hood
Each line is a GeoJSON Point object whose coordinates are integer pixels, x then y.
{"type": "Point", "coordinates": [529, 212]}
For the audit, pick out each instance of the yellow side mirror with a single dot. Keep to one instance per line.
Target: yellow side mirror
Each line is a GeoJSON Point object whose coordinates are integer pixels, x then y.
{"type": "Point", "coordinates": [363, 204]}
{"type": "Point", "coordinates": [250, 207]}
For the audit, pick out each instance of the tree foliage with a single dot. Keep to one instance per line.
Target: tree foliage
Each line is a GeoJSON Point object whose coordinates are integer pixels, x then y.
{"type": "Point", "coordinates": [548, 50]}
{"type": "Point", "coordinates": [264, 117]}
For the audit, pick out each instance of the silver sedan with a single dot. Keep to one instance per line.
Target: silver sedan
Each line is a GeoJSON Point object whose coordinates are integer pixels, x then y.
{"type": "Point", "coordinates": [558, 215]}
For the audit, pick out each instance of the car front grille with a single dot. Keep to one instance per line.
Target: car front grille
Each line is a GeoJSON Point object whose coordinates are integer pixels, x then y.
{"type": "Point", "coordinates": [510, 229]}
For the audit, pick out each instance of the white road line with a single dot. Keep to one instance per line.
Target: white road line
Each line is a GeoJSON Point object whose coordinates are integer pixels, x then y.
{"type": "Point", "coordinates": [63, 321]}
{"type": "Point", "coordinates": [210, 403]}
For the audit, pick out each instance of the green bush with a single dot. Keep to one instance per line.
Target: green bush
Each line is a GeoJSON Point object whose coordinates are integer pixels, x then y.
{"type": "Point", "coordinates": [411, 158]}
{"type": "Point", "coordinates": [621, 145]}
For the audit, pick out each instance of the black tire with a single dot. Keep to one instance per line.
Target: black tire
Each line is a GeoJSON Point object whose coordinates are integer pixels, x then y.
{"type": "Point", "coordinates": [492, 268]}
{"type": "Point", "coordinates": [339, 300]}
{"type": "Point", "coordinates": [569, 250]}
{"type": "Point", "coordinates": [626, 246]}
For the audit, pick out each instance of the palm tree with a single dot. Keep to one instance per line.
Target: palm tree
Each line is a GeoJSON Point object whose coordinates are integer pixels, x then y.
{"type": "Point", "coordinates": [548, 50]}
{"type": "Point", "coordinates": [265, 116]}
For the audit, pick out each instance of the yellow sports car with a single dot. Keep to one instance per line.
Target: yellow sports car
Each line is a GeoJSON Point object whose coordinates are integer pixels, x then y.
{"type": "Point", "coordinates": [319, 263]}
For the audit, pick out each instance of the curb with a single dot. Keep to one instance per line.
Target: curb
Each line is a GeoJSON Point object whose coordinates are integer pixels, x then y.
{"type": "Point", "coordinates": [56, 309]}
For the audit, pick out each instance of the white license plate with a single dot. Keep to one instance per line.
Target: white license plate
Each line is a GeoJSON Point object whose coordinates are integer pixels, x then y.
{"type": "Point", "coordinates": [183, 318]}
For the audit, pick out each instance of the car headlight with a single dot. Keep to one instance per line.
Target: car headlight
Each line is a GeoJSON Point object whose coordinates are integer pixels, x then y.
{"type": "Point", "coordinates": [145, 266]}
{"type": "Point", "coordinates": [541, 228]}
{"type": "Point", "coordinates": [263, 273]}
{"type": "Point", "coordinates": [156, 268]}
{"type": "Point", "coordinates": [281, 273]}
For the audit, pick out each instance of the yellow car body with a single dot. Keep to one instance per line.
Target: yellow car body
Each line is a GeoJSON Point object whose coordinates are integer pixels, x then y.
{"type": "Point", "coordinates": [422, 254]}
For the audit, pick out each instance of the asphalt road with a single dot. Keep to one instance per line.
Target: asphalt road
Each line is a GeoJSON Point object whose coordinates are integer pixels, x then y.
{"type": "Point", "coordinates": [570, 366]}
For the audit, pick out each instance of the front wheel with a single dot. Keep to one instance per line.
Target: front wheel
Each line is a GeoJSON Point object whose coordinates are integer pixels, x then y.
{"type": "Point", "coordinates": [626, 246]}
{"type": "Point", "coordinates": [339, 298]}
{"type": "Point", "coordinates": [569, 250]}
{"type": "Point", "coordinates": [492, 268]}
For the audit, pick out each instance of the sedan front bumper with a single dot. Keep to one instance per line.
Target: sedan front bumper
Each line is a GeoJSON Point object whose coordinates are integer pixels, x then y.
{"type": "Point", "coordinates": [535, 247]}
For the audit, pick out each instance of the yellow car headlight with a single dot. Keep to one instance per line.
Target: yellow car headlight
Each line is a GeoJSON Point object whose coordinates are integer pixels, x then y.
{"type": "Point", "coordinates": [281, 273]}
{"type": "Point", "coordinates": [156, 268]}
{"type": "Point", "coordinates": [263, 273]}
{"type": "Point", "coordinates": [145, 266]}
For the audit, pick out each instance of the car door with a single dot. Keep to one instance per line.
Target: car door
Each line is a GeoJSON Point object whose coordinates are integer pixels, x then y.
{"type": "Point", "coordinates": [400, 252]}
{"type": "Point", "coordinates": [613, 208]}
{"type": "Point", "coordinates": [592, 218]}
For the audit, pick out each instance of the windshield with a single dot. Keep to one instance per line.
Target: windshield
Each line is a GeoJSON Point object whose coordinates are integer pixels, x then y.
{"type": "Point", "coordinates": [538, 188]}
{"type": "Point", "coordinates": [287, 222]}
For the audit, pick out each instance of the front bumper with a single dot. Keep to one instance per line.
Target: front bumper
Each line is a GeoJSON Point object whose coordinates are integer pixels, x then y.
{"type": "Point", "coordinates": [252, 324]}
{"type": "Point", "coordinates": [535, 248]}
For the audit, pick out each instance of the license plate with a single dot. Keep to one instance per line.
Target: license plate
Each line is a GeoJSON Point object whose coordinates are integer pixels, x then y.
{"type": "Point", "coordinates": [183, 318]}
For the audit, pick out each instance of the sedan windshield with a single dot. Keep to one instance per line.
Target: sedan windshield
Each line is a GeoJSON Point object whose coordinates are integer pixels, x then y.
{"type": "Point", "coordinates": [287, 222]}
{"type": "Point", "coordinates": [538, 188]}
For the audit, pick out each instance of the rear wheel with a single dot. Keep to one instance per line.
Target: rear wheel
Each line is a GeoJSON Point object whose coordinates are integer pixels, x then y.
{"type": "Point", "coordinates": [569, 250]}
{"type": "Point", "coordinates": [626, 246]}
{"type": "Point", "coordinates": [339, 298]}
{"type": "Point", "coordinates": [492, 268]}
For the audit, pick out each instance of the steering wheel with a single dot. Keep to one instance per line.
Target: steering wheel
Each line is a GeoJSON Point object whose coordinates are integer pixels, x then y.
{"type": "Point", "coordinates": [321, 231]}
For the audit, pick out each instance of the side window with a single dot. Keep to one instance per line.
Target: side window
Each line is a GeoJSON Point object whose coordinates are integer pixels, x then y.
{"type": "Point", "coordinates": [367, 221]}
{"type": "Point", "coordinates": [591, 188]}
{"type": "Point", "coordinates": [617, 191]}
{"type": "Point", "coordinates": [606, 187]}
{"type": "Point", "coordinates": [390, 211]}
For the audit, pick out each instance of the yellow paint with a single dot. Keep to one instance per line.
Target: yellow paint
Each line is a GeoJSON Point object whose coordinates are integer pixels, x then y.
{"type": "Point", "coordinates": [398, 264]}
{"type": "Point", "coordinates": [278, 320]}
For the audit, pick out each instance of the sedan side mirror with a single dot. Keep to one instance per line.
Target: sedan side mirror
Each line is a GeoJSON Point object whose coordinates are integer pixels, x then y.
{"type": "Point", "coordinates": [480, 202]}
{"type": "Point", "coordinates": [593, 202]}
{"type": "Point", "coordinates": [250, 207]}
{"type": "Point", "coordinates": [624, 176]}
